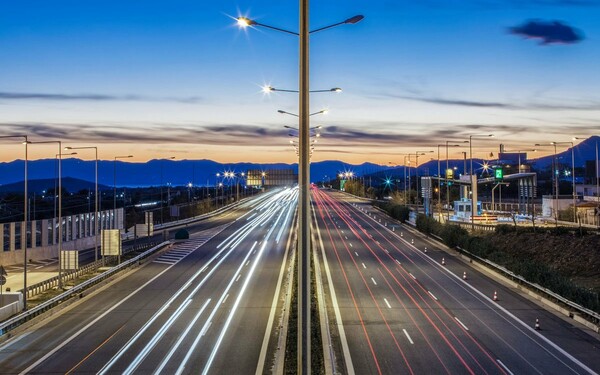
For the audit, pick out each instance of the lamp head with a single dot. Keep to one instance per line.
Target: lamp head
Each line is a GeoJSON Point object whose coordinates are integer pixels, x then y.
{"type": "Point", "coordinates": [245, 22]}
{"type": "Point", "coordinates": [355, 19]}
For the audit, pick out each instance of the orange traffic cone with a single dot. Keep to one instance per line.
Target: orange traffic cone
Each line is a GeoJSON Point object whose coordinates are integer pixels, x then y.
{"type": "Point", "coordinates": [465, 275]}
{"type": "Point", "coordinates": [495, 298]}
{"type": "Point", "coordinates": [537, 324]}
{"type": "Point", "coordinates": [443, 262]}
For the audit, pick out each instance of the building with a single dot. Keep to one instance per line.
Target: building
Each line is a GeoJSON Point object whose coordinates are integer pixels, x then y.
{"type": "Point", "coordinates": [587, 191]}
{"type": "Point", "coordinates": [271, 177]}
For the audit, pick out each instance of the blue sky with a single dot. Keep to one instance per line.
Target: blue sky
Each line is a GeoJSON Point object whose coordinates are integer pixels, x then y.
{"type": "Point", "coordinates": [179, 78]}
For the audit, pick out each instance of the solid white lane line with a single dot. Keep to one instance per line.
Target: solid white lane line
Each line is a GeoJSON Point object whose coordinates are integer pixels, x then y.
{"type": "Point", "coordinates": [168, 263]}
{"type": "Point", "coordinates": [525, 326]}
{"type": "Point", "coordinates": [408, 337]}
{"type": "Point", "coordinates": [374, 282]}
{"type": "Point", "coordinates": [205, 329]}
{"type": "Point", "coordinates": [431, 294]}
{"type": "Point", "coordinates": [461, 323]}
{"type": "Point", "coordinates": [180, 340]}
{"type": "Point", "coordinates": [192, 348]}
{"type": "Point", "coordinates": [387, 303]}
{"type": "Point", "coordinates": [504, 367]}
{"type": "Point", "coordinates": [336, 308]}
{"type": "Point", "coordinates": [133, 339]}
{"type": "Point", "coordinates": [150, 345]}
{"type": "Point", "coordinates": [263, 352]}
{"type": "Point", "coordinates": [232, 312]}
{"type": "Point", "coordinates": [14, 341]}
{"type": "Point", "coordinates": [86, 327]}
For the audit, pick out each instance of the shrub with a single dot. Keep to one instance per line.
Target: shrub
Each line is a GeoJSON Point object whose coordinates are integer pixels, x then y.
{"type": "Point", "coordinates": [182, 234]}
{"type": "Point", "coordinates": [505, 228]}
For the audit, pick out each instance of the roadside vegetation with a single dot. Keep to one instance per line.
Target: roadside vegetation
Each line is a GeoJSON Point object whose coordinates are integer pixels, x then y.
{"type": "Point", "coordinates": [562, 259]}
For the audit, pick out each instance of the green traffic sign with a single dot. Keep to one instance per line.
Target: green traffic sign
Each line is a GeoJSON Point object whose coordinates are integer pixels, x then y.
{"type": "Point", "coordinates": [499, 173]}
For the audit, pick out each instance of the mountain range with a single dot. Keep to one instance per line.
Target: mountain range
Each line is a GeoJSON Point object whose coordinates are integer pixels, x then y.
{"type": "Point", "coordinates": [204, 172]}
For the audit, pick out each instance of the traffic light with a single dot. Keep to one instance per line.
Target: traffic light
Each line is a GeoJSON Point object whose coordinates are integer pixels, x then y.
{"type": "Point", "coordinates": [499, 174]}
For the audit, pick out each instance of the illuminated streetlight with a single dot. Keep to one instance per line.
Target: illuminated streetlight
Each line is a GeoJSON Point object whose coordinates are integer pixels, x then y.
{"type": "Point", "coordinates": [115, 192]}
{"type": "Point", "coordinates": [60, 226]}
{"type": "Point", "coordinates": [303, 345]}
{"type": "Point", "coordinates": [25, 217]}
{"type": "Point", "coordinates": [95, 196]}
{"type": "Point", "coordinates": [471, 148]}
{"type": "Point", "coordinates": [245, 22]}
{"type": "Point", "coordinates": [268, 89]}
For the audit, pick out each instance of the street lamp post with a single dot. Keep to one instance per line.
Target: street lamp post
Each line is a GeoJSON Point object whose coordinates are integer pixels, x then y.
{"type": "Point", "coordinates": [526, 192]}
{"type": "Point", "coordinates": [446, 177]}
{"type": "Point", "coordinates": [60, 224]}
{"type": "Point", "coordinates": [115, 187]}
{"type": "Point", "coordinates": [471, 148]}
{"type": "Point", "coordinates": [303, 344]}
{"type": "Point", "coordinates": [161, 189]}
{"type": "Point", "coordinates": [473, 197]}
{"type": "Point", "coordinates": [95, 195]}
{"type": "Point", "coordinates": [555, 179]}
{"type": "Point", "coordinates": [217, 190]}
{"type": "Point", "coordinates": [25, 217]}
{"type": "Point", "coordinates": [417, 154]}
{"type": "Point", "coordinates": [574, 194]}
{"type": "Point", "coordinates": [597, 180]}
{"type": "Point", "coordinates": [440, 174]}
{"type": "Point", "coordinates": [404, 183]}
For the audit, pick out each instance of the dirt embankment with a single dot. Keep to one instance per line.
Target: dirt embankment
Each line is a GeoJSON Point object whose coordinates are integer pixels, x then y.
{"type": "Point", "coordinates": [574, 257]}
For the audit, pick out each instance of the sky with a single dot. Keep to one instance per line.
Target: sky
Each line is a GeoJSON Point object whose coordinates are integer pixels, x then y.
{"type": "Point", "coordinates": [179, 78]}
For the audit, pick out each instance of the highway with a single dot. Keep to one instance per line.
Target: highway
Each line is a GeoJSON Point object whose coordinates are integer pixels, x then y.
{"type": "Point", "coordinates": [207, 305]}
{"type": "Point", "coordinates": [399, 310]}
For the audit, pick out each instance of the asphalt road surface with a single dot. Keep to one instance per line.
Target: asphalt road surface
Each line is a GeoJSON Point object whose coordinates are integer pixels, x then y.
{"type": "Point", "coordinates": [403, 312]}
{"type": "Point", "coordinates": [205, 306]}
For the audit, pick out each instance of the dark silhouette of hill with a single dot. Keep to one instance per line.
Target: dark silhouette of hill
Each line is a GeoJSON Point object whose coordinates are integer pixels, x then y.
{"type": "Point", "coordinates": [203, 172]}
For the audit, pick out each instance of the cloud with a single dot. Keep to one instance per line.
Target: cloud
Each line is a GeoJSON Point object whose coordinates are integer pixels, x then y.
{"type": "Point", "coordinates": [457, 102]}
{"type": "Point", "coordinates": [582, 105]}
{"type": "Point", "coordinates": [93, 97]}
{"type": "Point", "coordinates": [230, 134]}
{"type": "Point", "coordinates": [354, 137]}
{"type": "Point", "coordinates": [550, 32]}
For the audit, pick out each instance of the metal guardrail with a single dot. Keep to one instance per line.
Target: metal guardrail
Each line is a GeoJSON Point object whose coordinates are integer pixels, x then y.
{"type": "Point", "coordinates": [479, 226]}
{"type": "Point", "coordinates": [175, 223]}
{"type": "Point", "coordinates": [590, 315]}
{"type": "Point", "coordinates": [52, 282]}
{"type": "Point", "coordinates": [16, 321]}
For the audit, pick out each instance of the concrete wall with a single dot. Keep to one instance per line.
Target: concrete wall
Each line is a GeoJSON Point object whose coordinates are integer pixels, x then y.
{"type": "Point", "coordinates": [550, 204]}
{"type": "Point", "coordinates": [42, 236]}
{"type": "Point", "coordinates": [10, 304]}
